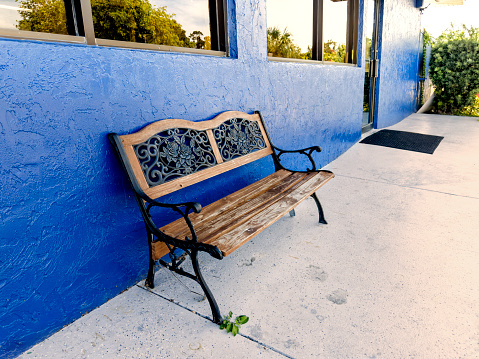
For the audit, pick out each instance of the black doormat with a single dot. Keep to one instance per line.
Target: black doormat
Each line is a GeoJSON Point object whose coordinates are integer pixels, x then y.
{"type": "Point", "coordinates": [402, 140]}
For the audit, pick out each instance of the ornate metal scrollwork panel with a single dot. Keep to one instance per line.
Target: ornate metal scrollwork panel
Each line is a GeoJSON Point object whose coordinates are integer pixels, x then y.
{"type": "Point", "coordinates": [238, 137]}
{"type": "Point", "coordinates": [174, 153]}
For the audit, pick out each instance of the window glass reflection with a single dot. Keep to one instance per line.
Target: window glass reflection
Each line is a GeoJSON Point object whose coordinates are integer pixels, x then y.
{"type": "Point", "coordinates": [335, 22]}
{"type": "Point", "coordinates": [183, 23]}
{"type": "Point", "coordinates": [290, 28]}
{"type": "Point", "coordinates": [34, 15]}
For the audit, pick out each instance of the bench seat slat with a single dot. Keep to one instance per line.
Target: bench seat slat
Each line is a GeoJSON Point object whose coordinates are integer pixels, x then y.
{"type": "Point", "coordinates": [232, 240]}
{"type": "Point", "coordinates": [178, 227]}
{"type": "Point", "coordinates": [239, 212]}
{"type": "Point", "coordinates": [225, 223]}
{"type": "Point", "coordinates": [233, 220]}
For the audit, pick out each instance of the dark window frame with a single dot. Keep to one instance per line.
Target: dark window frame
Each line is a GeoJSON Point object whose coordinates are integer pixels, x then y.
{"type": "Point", "coordinates": [352, 33]}
{"type": "Point", "coordinates": [218, 25]}
{"type": "Point", "coordinates": [74, 18]}
{"type": "Point", "coordinates": [81, 30]}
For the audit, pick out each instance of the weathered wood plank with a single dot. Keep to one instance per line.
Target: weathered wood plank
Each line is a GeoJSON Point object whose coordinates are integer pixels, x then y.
{"type": "Point", "coordinates": [162, 125]}
{"type": "Point", "coordinates": [159, 249]}
{"type": "Point", "coordinates": [250, 224]}
{"type": "Point", "coordinates": [232, 240]}
{"type": "Point", "coordinates": [135, 165]}
{"type": "Point", "coordinates": [225, 223]}
{"type": "Point", "coordinates": [176, 228]}
{"type": "Point", "coordinates": [214, 145]}
{"type": "Point", "coordinates": [239, 211]}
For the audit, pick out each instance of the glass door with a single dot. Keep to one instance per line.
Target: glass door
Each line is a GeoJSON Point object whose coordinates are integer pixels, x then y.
{"type": "Point", "coordinates": [372, 63]}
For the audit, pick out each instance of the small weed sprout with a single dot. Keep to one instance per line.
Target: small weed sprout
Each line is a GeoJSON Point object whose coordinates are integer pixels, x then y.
{"type": "Point", "coordinates": [233, 327]}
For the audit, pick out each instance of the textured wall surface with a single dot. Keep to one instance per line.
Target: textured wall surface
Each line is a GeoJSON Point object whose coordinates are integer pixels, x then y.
{"type": "Point", "coordinates": [399, 61]}
{"type": "Point", "coordinates": [71, 234]}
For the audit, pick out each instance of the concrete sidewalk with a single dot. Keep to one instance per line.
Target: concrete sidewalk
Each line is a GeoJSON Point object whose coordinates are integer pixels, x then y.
{"type": "Point", "coordinates": [395, 273]}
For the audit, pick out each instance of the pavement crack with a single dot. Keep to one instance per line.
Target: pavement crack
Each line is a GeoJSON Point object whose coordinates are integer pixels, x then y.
{"type": "Point", "coordinates": [405, 186]}
{"type": "Point", "coordinates": [208, 318]}
{"type": "Point", "coordinates": [266, 346]}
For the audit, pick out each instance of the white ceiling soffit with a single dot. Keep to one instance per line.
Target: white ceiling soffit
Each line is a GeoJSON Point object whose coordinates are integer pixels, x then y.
{"type": "Point", "coordinates": [444, 2]}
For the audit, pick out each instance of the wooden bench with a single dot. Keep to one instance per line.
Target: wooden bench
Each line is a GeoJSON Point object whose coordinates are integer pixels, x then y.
{"type": "Point", "coordinates": [169, 155]}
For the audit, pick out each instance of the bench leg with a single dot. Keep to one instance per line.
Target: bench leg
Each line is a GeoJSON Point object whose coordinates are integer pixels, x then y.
{"type": "Point", "coordinates": [150, 278]}
{"type": "Point", "coordinates": [199, 277]}
{"type": "Point", "coordinates": [320, 209]}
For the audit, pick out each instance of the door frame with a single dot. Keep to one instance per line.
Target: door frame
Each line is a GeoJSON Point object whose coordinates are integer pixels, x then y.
{"type": "Point", "coordinates": [374, 67]}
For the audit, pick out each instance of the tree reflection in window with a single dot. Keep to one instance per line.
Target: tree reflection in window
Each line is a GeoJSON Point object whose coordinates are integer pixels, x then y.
{"type": "Point", "coordinates": [281, 44]}
{"type": "Point", "coordinates": [124, 20]}
{"type": "Point", "coordinates": [325, 30]}
{"type": "Point", "coordinates": [137, 21]}
{"type": "Point", "coordinates": [42, 16]}
{"type": "Point", "coordinates": [335, 24]}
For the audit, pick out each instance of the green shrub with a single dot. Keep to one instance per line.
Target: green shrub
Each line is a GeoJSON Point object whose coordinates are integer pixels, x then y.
{"type": "Point", "coordinates": [454, 70]}
{"type": "Point", "coordinates": [472, 110]}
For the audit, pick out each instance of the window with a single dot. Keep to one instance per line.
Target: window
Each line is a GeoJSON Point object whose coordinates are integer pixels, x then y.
{"type": "Point", "coordinates": [289, 34]}
{"type": "Point", "coordinates": [177, 23]}
{"type": "Point", "coordinates": [45, 16]}
{"type": "Point", "coordinates": [323, 30]}
{"type": "Point", "coordinates": [151, 24]}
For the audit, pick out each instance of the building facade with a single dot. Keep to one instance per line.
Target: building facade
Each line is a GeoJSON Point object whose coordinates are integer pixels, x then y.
{"type": "Point", "coordinates": [71, 235]}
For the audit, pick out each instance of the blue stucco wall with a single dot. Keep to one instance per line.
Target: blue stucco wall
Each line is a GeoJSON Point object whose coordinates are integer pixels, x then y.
{"type": "Point", "coordinates": [71, 234]}
{"type": "Point", "coordinates": [399, 49]}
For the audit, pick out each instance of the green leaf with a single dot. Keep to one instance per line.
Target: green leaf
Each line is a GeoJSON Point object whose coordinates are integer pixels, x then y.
{"type": "Point", "coordinates": [230, 314]}
{"type": "Point", "coordinates": [242, 319]}
{"type": "Point", "coordinates": [229, 327]}
{"type": "Point", "coordinates": [235, 330]}
{"type": "Point", "coordinates": [223, 324]}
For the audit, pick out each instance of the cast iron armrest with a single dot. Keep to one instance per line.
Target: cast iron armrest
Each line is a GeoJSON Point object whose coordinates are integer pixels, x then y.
{"type": "Point", "coordinates": [188, 206]}
{"type": "Point", "coordinates": [195, 206]}
{"type": "Point", "coordinates": [308, 151]}
{"type": "Point", "coordinates": [188, 243]}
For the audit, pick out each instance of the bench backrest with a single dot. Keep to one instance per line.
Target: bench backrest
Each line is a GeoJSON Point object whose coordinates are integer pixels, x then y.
{"type": "Point", "coordinates": [168, 155]}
